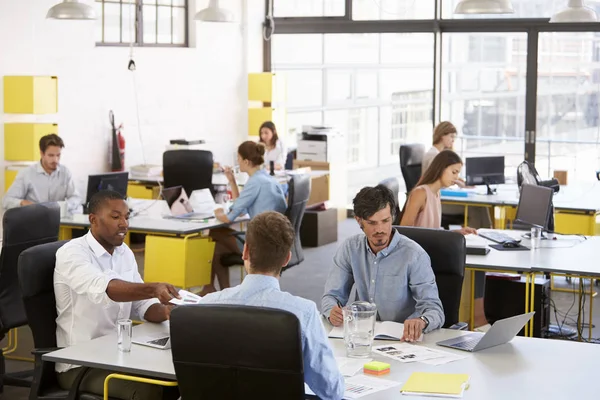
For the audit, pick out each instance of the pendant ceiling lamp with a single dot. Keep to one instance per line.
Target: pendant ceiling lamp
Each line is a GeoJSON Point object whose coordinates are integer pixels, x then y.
{"type": "Point", "coordinates": [72, 9]}
{"type": "Point", "coordinates": [576, 11]}
{"type": "Point", "coordinates": [214, 13]}
{"type": "Point", "coordinates": [484, 7]}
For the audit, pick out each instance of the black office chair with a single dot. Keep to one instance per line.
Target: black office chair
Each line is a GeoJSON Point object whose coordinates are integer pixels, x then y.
{"type": "Point", "coordinates": [447, 251]}
{"type": "Point", "coordinates": [211, 362]}
{"type": "Point", "coordinates": [298, 194]}
{"type": "Point", "coordinates": [36, 281]}
{"type": "Point", "coordinates": [192, 169]}
{"type": "Point", "coordinates": [23, 227]}
{"type": "Point", "coordinates": [394, 186]}
{"type": "Point", "coordinates": [411, 158]}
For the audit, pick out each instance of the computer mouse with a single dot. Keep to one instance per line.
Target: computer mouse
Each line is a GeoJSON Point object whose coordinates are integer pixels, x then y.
{"type": "Point", "coordinates": [510, 244]}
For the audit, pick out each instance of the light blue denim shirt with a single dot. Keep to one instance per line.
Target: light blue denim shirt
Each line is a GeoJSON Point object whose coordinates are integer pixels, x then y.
{"type": "Point", "coordinates": [321, 372]}
{"type": "Point", "coordinates": [399, 280]}
{"type": "Point", "coordinates": [261, 193]}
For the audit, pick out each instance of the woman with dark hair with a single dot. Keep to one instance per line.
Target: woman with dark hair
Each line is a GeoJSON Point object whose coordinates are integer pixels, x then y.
{"type": "Point", "coordinates": [444, 135]}
{"type": "Point", "coordinates": [275, 150]}
{"type": "Point", "coordinates": [261, 193]}
{"type": "Point", "coordinates": [424, 207]}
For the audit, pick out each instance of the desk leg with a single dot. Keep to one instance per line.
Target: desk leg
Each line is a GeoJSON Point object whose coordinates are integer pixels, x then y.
{"type": "Point", "coordinates": [65, 233]}
{"type": "Point", "coordinates": [591, 308]}
{"type": "Point", "coordinates": [531, 302]}
{"type": "Point", "coordinates": [579, 328]}
{"type": "Point", "coordinates": [472, 305]}
{"type": "Point", "coordinates": [527, 290]}
{"type": "Point", "coordinates": [466, 216]}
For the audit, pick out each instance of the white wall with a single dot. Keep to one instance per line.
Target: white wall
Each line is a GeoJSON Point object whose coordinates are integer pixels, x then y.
{"type": "Point", "coordinates": [183, 92]}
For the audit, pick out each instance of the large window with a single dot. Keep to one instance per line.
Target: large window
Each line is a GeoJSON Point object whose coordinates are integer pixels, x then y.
{"type": "Point", "coordinates": [483, 93]}
{"type": "Point", "coordinates": [143, 22]}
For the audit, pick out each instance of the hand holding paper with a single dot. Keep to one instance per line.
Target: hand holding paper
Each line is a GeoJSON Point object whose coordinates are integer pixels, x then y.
{"type": "Point", "coordinates": [186, 298]}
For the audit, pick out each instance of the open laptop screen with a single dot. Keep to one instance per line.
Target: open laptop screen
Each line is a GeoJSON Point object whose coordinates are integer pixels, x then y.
{"type": "Point", "coordinates": [177, 200]}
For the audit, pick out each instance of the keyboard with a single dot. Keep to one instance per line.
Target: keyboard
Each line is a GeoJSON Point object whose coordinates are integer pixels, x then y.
{"type": "Point", "coordinates": [467, 344]}
{"type": "Point", "coordinates": [159, 342]}
{"type": "Point", "coordinates": [497, 237]}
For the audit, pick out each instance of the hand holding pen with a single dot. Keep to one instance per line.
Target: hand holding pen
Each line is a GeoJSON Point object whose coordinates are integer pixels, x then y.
{"type": "Point", "coordinates": [336, 317]}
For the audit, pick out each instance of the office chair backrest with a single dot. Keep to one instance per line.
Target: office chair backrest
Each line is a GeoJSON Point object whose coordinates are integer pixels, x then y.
{"type": "Point", "coordinates": [447, 251]}
{"type": "Point", "coordinates": [298, 194]}
{"type": "Point", "coordinates": [23, 227]}
{"type": "Point", "coordinates": [212, 360]}
{"type": "Point", "coordinates": [411, 158]}
{"type": "Point", "coordinates": [393, 185]}
{"type": "Point", "coordinates": [191, 169]}
{"type": "Point", "coordinates": [36, 280]}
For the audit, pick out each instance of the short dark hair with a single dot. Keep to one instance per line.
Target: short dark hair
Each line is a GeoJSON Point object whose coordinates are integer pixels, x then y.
{"type": "Point", "coordinates": [50, 140]}
{"type": "Point", "coordinates": [269, 239]}
{"type": "Point", "coordinates": [372, 199]}
{"type": "Point", "coordinates": [99, 199]}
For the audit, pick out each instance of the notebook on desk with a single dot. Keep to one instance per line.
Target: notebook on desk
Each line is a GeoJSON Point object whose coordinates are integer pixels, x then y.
{"type": "Point", "coordinates": [386, 330]}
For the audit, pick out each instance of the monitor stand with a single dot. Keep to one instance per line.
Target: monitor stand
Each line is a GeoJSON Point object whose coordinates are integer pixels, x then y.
{"type": "Point", "coordinates": [528, 236]}
{"type": "Point", "coordinates": [490, 191]}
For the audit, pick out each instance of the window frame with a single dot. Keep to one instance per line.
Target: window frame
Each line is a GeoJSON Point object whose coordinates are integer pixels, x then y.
{"type": "Point", "coordinates": [139, 25]}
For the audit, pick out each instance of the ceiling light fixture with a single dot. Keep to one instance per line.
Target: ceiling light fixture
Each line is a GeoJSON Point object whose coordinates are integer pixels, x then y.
{"type": "Point", "coordinates": [214, 13]}
{"type": "Point", "coordinates": [576, 11]}
{"type": "Point", "coordinates": [484, 7]}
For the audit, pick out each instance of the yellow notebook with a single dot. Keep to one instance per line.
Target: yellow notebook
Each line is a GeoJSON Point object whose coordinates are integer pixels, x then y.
{"type": "Point", "coordinates": [435, 384]}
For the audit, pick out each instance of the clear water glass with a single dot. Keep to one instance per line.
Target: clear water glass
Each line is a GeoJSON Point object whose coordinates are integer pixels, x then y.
{"type": "Point", "coordinates": [536, 237]}
{"type": "Point", "coordinates": [359, 328]}
{"type": "Point", "coordinates": [124, 331]}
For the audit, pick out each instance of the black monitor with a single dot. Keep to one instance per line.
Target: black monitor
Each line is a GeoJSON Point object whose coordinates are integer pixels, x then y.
{"type": "Point", "coordinates": [535, 206]}
{"type": "Point", "coordinates": [116, 181]}
{"type": "Point", "coordinates": [485, 171]}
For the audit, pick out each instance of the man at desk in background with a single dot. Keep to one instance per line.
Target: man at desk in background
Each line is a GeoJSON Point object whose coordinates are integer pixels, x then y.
{"type": "Point", "coordinates": [387, 268]}
{"type": "Point", "coordinates": [44, 181]}
{"type": "Point", "coordinates": [96, 283]}
{"type": "Point", "coordinates": [267, 250]}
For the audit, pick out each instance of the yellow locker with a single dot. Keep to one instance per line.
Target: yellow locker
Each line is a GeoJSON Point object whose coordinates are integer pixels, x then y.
{"type": "Point", "coordinates": [571, 223]}
{"type": "Point", "coordinates": [9, 177]}
{"type": "Point", "coordinates": [30, 94]}
{"type": "Point", "coordinates": [142, 191]}
{"type": "Point", "coordinates": [256, 116]}
{"type": "Point", "coordinates": [22, 141]}
{"type": "Point", "coordinates": [182, 262]}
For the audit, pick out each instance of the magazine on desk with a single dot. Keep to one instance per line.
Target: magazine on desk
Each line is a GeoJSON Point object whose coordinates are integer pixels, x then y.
{"type": "Point", "coordinates": [386, 330]}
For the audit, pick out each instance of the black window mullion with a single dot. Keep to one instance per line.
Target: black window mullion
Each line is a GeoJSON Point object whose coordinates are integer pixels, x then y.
{"type": "Point", "coordinates": [531, 95]}
{"type": "Point", "coordinates": [120, 21]}
{"type": "Point", "coordinates": [139, 23]}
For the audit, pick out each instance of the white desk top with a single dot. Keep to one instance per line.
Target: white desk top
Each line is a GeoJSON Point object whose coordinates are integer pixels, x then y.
{"type": "Point", "coordinates": [566, 254]}
{"type": "Point", "coordinates": [576, 197]}
{"type": "Point", "coordinates": [526, 368]}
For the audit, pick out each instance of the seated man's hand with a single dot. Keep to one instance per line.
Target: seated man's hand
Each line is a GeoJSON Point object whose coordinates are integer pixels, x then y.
{"type": "Point", "coordinates": [413, 329]}
{"type": "Point", "coordinates": [165, 292]}
{"type": "Point", "coordinates": [26, 202]}
{"type": "Point", "coordinates": [336, 317]}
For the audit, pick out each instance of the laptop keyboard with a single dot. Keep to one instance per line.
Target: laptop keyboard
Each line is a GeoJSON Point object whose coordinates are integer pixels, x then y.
{"type": "Point", "coordinates": [159, 342]}
{"type": "Point", "coordinates": [468, 344]}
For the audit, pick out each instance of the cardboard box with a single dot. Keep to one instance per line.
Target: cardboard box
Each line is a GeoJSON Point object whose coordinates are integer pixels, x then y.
{"type": "Point", "coordinates": [319, 185]}
{"type": "Point", "coordinates": [561, 176]}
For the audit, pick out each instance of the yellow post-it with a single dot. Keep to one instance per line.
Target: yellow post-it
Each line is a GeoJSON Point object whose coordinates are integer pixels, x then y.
{"type": "Point", "coordinates": [452, 385]}
{"type": "Point", "coordinates": [376, 366]}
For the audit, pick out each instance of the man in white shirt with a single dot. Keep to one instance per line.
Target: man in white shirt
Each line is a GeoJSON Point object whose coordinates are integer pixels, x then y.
{"type": "Point", "coordinates": [44, 181]}
{"type": "Point", "coordinates": [96, 283]}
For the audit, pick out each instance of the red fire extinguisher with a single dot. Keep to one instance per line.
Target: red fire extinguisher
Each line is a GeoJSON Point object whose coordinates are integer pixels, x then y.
{"type": "Point", "coordinates": [121, 143]}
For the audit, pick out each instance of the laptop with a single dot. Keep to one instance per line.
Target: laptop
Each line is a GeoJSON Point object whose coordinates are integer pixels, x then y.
{"type": "Point", "coordinates": [503, 331]}
{"type": "Point", "coordinates": [180, 206]}
{"type": "Point", "coordinates": [160, 341]}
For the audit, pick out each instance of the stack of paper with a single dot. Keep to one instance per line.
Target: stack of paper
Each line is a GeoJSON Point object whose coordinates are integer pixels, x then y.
{"type": "Point", "coordinates": [406, 353]}
{"type": "Point", "coordinates": [186, 298]}
{"type": "Point", "coordinates": [436, 384]}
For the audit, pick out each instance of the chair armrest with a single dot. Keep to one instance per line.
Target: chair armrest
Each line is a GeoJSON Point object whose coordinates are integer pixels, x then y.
{"type": "Point", "coordinates": [459, 326]}
{"type": "Point", "coordinates": [240, 237]}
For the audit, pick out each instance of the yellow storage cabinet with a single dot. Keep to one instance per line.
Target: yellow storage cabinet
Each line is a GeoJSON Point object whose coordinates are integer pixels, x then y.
{"type": "Point", "coordinates": [30, 94]}
{"type": "Point", "coordinates": [266, 87]}
{"type": "Point", "coordinates": [138, 190]}
{"type": "Point", "coordinates": [183, 262]}
{"type": "Point", "coordinates": [9, 177]}
{"type": "Point", "coordinates": [22, 141]}
{"type": "Point", "coordinates": [256, 116]}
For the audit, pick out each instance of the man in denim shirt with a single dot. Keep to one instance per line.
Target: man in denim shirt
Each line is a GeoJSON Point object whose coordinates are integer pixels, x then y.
{"type": "Point", "coordinates": [388, 269]}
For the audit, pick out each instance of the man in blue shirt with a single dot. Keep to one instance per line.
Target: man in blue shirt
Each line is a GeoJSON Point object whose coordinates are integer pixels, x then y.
{"type": "Point", "coordinates": [269, 239]}
{"type": "Point", "coordinates": [388, 269]}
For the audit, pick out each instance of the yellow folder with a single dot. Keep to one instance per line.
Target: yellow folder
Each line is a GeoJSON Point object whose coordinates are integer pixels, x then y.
{"type": "Point", "coordinates": [436, 384]}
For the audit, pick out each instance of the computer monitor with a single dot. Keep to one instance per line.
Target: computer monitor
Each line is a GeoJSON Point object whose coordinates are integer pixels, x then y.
{"type": "Point", "coordinates": [116, 181]}
{"type": "Point", "coordinates": [485, 171]}
{"type": "Point", "coordinates": [535, 205]}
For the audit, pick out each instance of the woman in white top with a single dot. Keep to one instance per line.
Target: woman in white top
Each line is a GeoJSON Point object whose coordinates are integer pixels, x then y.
{"type": "Point", "coordinates": [444, 135]}
{"type": "Point", "coordinates": [275, 150]}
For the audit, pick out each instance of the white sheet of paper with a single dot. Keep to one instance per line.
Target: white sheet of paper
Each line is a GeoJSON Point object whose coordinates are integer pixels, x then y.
{"type": "Point", "coordinates": [360, 385]}
{"type": "Point", "coordinates": [407, 353]}
{"type": "Point", "coordinates": [350, 366]}
{"type": "Point", "coordinates": [186, 298]}
{"type": "Point", "coordinates": [202, 201]}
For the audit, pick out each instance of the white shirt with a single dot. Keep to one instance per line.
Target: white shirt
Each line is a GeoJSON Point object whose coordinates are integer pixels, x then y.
{"type": "Point", "coordinates": [36, 185]}
{"type": "Point", "coordinates": [428, 158]}
{"type": "Point", "coordinates": [277, 155]}
{"type": "Point", "coordinates": [82, 273]}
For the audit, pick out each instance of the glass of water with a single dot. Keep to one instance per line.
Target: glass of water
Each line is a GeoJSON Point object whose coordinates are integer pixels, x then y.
{"type": "Point", "coordinates": [124, 331]}
{"type": "Point", "coordinates": [536, 237]}
{"type": "Point", "coordinates": [359, 328]}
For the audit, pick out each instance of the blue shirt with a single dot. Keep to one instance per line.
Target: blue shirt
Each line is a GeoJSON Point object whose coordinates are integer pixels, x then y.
{"type": "Point", "coordinates": [321, 372]}
{"type": "Point", "coordinates": [261, 193]}
{"type": "Point", "coordinates": [399, 280]}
